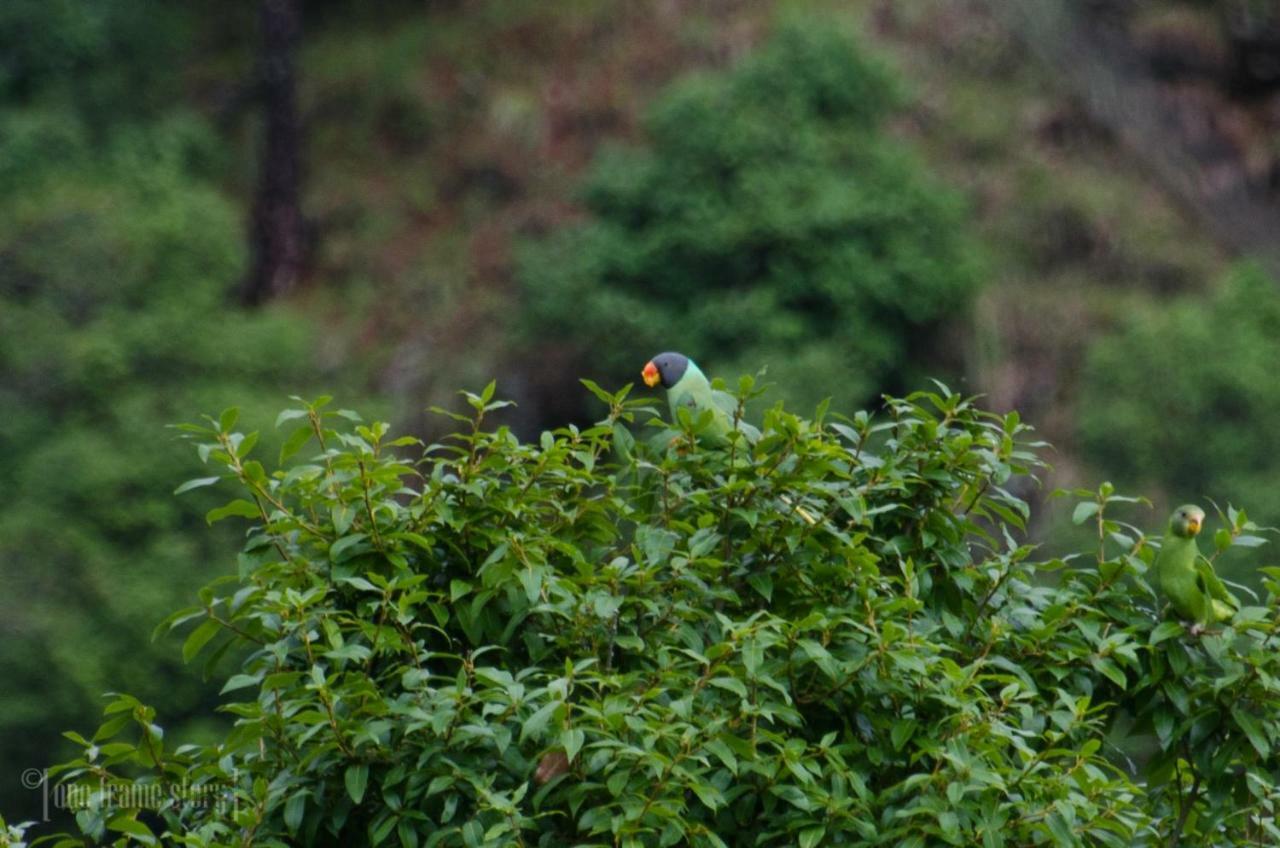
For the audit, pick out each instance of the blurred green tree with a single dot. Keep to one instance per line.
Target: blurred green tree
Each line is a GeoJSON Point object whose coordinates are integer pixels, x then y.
{"type": "Point", "coordinates": [1184, 397]}
{"type": "Point", "coordinates": [108, 61]}
{"type": "Point", "coordinates": [771, 220]}
{"type": "Point", "coordinates": [116, 266]}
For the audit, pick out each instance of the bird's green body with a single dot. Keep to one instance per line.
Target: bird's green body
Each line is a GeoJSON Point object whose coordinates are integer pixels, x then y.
{"type": "Point", "coordinates": [693, 392]}
{"type": "Point", "coordinates": [689, 389]}
{"type": "Point", "coordinates": [1186, 578]}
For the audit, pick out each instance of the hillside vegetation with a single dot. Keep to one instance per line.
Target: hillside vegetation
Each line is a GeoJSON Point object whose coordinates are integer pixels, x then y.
{"type": "Point", "coordinates": [853, 196]}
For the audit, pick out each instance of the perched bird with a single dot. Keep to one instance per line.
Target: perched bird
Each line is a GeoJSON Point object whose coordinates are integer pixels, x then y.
{"type": "Point", "coordinates": [688, 388]}
{"type": "Point", "coordinates": [1188, 579]}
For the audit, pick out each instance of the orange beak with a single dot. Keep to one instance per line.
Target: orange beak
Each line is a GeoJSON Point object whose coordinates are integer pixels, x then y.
{"type": "Point", "coordinates": [1193, 525]}
{"type": "Point", "coordinates": [650, 374]}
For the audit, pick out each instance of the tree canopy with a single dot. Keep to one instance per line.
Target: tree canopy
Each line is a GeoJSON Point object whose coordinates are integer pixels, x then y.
{"type": "Point", "coordinates": [830, 635]}
{"type": "Point", "coordinates": [770, 219]}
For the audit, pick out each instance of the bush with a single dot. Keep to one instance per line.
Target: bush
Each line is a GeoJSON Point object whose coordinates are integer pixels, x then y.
{"type": "Point", "coordinates": [1179, 397]}
{"type": "Point", "coordinates": [769, 220]}
{"type": "Point", "coordinates": [829, 636]}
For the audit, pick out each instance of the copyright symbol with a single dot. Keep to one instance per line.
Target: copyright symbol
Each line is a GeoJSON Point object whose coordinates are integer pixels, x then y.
{"type": "Point", "coordinates": [33, 778]}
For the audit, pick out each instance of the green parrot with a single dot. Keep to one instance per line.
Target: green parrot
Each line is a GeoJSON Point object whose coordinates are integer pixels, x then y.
{"type": "Point", "coordinates": [1188, 579]}
{"type": "Point", "coordinates": [687, 387]}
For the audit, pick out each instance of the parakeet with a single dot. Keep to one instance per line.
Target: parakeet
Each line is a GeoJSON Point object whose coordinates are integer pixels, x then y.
{"type": "Point", "coordinates": [687, 387]}
{"type": "Point", "coordinates": [1188, 579]}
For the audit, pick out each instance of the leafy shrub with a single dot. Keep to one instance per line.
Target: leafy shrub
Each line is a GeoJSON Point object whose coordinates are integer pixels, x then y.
{"type": "Point", "coordinates": [1181, 398]}
{"type": "Point", "coordinates": [828, 636]}
{"type": "Point", "coordinates": [770, 219]}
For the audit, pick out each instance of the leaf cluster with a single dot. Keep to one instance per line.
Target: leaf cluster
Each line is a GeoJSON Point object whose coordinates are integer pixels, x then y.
{"type": "Point", "coordinates": [828, 635]}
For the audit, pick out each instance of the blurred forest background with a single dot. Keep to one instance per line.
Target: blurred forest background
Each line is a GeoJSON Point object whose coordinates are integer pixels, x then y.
{"type": "Point", "coordinates": [1072, 208]}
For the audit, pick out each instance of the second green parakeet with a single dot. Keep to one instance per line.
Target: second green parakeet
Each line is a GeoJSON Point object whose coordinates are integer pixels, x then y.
{"type": "Point", "coordinates": [1188, 579]}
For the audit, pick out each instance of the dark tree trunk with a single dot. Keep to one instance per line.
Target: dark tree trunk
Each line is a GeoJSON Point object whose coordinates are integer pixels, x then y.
{"type": "Point", "coordinates": [276, 236]}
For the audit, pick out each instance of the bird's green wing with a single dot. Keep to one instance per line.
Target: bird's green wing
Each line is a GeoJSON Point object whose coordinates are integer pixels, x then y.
{"type": "Point", "coordinates": [728, 404]}
{"type": "Point", "coordinates": [1212, 585]}
{"type": "Point", "coordinates": [725, 401]}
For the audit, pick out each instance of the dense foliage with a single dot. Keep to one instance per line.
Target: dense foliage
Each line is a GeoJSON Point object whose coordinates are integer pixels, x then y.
{"type": "Point", "coordinates": [826, 636]}
{"type": "Point", "coordinates": [117, 257]}
{"type": "Point", "coordinates": [1178, 398]}
{"type": "Point", "coordinates": [771, 219]}
{"type": "Point", "coordinates": [100, 61]}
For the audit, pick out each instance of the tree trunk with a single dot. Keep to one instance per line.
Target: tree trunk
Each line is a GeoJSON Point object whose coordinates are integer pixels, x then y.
{"type": "Point", "coordinates": [277, 230]}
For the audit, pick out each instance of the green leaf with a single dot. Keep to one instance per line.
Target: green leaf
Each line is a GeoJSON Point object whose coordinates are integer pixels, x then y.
{"type": "Point", "coordinates": [1165, 630]}
{"type": "Point", "coordinates": [129, 825]}
{"type": "Point", "coordinates": [1164, 722]}
{"type": "Point", "coordinates": [708, 794]}
{"type": "Point", "coordinates": [197, 483]}
{"type": "Point", "coordinates": [762, 583]}
{"type": "Point", "coordinates": [228, 419]}
{"type": "Point", "coordinates": [198, 638]}
{"type": "Point", "coordinates": [380, 832]}
{"type": "Point", "coordinates": [416, 539]}
{"type": "Point", "coordinates": [459, 589]}
{"type": "Point", "coordinates": [572, 741]}
{"type": "Point", "coordinates": [338, 548]}
{"type": "Point", "coordinates": [812, 836]}
{"type": "Point", "coordinates": [239, 507]}
{"type": "Point", "coordinates": [1060, 830]}
{"type": "Point", "coordinates": [342, 516]}
{"type": "Point", "coordinates": [239, 681]}
{"type": "Point", "coordinates": [357, 778]}
{"type": "Point", "coordinates": [792, 795]}
{"type": "Point", "coordinates": [537, 722]}
{"type": "Point", "coordinates": [295, 442]}
{"type": "Point", "coordinates": [731, 684]}
{"type": "Point", "coordinates": [1110, 670]}
{"type": "Point", "coordinates": [290, 415]}
{"type": "Point", "coordinates": [359, 583]}
{"type": "Point", "coordinates": [901, 731]}
{"type": "Point", "coordinates": [246, 445]}
{"type": "Point", "coordinates": [1253, 731]}
{"type": "Point", "coordinates": [623, 441]}
{"type": "Point", "coordinates": [752, 655]}
{"type": "Point", "coordinates": [1084, 511]}
{"type": "Point", "coordinates": [601, 394]}
{"type": "Point", "coordinates": [1222, 539]}
{"type": "Point", "coordinates": [724, 753]}
{"type": "Point", "coordinates": [293, 811]}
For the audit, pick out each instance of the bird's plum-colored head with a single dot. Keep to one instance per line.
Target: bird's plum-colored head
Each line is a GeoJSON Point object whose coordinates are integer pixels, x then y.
{"type": "Point", "coordinates": [1186, 521]}
{"type": "Point", "coordinates": [665, 368]}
